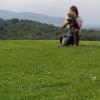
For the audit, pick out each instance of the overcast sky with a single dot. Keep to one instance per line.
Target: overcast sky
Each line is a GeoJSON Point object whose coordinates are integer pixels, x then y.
{"type": "Point", "coordinates": [89, 9]}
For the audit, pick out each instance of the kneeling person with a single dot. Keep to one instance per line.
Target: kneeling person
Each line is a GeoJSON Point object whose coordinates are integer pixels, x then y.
{"type": "Point", "coordinates": [74, 22]}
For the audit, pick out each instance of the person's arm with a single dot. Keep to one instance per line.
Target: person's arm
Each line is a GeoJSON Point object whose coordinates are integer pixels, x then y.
{"type": "Point", "coordinates": [78, 24]}
{"type": "Point", "coordinates": [65, 24]}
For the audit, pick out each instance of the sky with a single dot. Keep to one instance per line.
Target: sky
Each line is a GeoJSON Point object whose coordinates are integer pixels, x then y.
{"type": "Point", "coordinates": [89, 9]}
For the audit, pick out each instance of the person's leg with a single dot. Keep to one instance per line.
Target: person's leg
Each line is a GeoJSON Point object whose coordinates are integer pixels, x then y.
{"type": "Point", "coordinates": [76, 38]}
{"type": "Point", "coordinates": [71, 41]}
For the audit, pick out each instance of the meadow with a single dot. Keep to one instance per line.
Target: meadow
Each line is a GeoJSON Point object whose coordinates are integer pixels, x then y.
{"type": "Point", "coordinates": [39, 70]}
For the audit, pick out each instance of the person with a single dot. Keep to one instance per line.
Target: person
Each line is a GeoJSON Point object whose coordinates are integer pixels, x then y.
{"type": "Point", "coordinates": [74, 23]}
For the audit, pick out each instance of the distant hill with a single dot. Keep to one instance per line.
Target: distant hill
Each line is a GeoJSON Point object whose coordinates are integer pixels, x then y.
{"type": "Point", "coordinates": [57, 21]}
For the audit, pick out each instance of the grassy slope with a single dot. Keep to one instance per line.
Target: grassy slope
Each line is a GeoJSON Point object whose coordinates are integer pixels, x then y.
{"type": "Point", "coordinates": [38, 70]}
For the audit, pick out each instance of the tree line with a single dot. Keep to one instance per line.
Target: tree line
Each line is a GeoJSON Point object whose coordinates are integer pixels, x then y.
{"type": "Point", "coordinates": [27, 29]}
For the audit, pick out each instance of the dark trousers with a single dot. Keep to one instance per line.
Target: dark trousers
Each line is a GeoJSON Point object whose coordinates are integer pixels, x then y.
{"type": "Point", "coordinates": [76, 38]}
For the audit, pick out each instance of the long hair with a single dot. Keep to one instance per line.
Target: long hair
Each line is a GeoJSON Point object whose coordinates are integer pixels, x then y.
{"type": "Point", "coordinates": [74, 8]}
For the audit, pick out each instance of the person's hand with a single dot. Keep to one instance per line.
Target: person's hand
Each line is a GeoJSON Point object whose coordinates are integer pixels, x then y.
{"type": "Point", "coordinates": [65, 23]}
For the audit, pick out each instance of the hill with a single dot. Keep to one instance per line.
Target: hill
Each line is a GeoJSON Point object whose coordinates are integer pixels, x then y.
{"type": "Point", "coordinates": [28, 29]}
{"type": "Point", "coordinates": [57, 21]}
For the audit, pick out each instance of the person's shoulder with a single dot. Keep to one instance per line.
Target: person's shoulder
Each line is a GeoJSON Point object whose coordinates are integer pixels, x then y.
{"type": "Point", "coordinates": [79, 19]}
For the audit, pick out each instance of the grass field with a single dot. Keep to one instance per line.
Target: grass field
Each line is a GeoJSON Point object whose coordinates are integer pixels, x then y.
{"type": "Point", "coordinates": [39, 70]}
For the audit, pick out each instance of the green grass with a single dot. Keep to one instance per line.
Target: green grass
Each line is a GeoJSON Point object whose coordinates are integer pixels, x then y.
{"type": "Point", "coordinates": [39, 70]}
